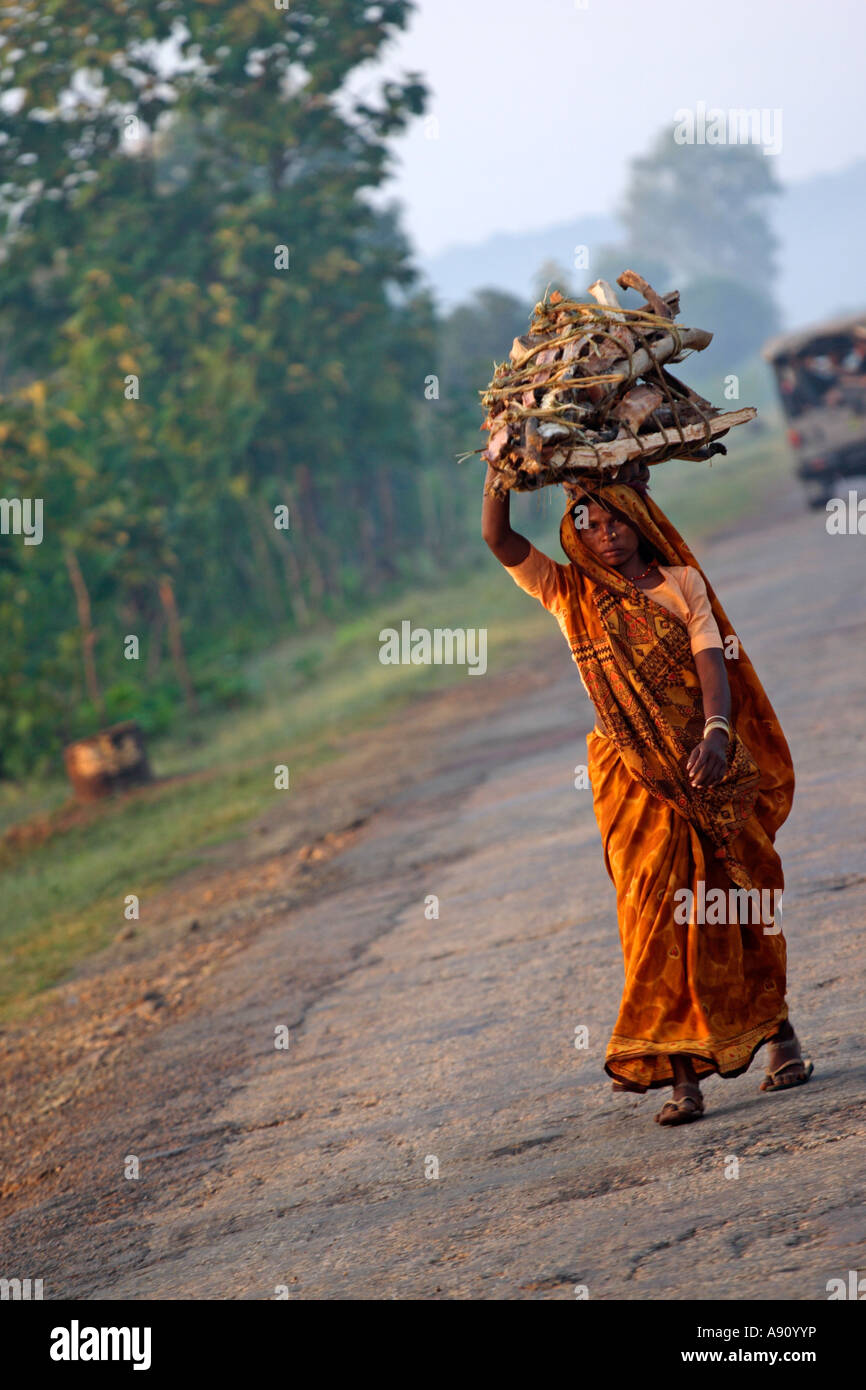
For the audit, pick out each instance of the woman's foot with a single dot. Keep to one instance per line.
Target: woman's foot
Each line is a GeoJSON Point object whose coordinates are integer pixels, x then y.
{"type": "Point", "coordinates": [688, 1103]}
{"type": "Point", "coordinates": [686, 1106]}
{"type": "Point", "coordinates": [786, 1067]}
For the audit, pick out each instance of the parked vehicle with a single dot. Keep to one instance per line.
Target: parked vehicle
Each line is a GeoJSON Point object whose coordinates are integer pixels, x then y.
{"type": "Point", "coordinates": [821, 377]}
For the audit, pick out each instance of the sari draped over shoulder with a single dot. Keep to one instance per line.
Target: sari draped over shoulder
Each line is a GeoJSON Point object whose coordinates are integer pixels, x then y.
{"type": "Point", "coordinates": [712, 990]}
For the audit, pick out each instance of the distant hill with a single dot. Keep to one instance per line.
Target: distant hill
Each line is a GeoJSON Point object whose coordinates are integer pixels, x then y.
{"type": "Point", "coordinates": [509, 260]}
{"type": "Point", "coordinates": [821, 269]}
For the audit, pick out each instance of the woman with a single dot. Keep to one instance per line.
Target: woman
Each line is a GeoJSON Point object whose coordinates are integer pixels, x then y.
{"type": "Point", "coordinates": [691, 779]}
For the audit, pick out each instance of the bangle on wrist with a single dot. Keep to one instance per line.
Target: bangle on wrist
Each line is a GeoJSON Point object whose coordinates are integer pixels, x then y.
{"type": "Point", "coordinates": [717, 721]}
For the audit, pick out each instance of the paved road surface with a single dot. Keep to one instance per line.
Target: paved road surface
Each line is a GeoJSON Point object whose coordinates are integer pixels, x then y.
{"type": "Point", "coordinates": [450, 1041]}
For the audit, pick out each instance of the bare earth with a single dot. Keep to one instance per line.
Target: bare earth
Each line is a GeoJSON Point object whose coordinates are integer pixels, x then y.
{"type": "Point", "coordinates": [414, 1040]}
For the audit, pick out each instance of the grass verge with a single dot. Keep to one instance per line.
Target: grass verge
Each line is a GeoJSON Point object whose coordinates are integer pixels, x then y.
{"type": "Point", "coordinates": [63, 897]}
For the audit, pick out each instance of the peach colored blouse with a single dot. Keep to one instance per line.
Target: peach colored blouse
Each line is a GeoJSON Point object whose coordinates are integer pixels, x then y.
{"type": "Point", "coordinates": [682, 591]}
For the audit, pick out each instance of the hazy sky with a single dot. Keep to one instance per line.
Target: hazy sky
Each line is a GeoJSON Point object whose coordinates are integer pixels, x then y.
{"type": "Point", "coordinates": [541, 103]}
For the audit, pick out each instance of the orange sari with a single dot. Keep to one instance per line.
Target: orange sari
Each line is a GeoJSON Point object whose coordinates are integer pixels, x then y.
{"type": "Point", "coordinates": [713, 992]}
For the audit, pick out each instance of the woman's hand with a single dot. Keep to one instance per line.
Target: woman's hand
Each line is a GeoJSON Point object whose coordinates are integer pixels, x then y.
{"type": "Point", "coordinates": [710, 757]}
{"type": "Point", "coordinates": [635, 473]}
{"type": "Point", "coordinates": [708, 761]}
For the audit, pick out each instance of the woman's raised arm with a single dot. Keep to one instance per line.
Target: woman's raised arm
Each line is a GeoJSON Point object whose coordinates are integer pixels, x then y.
{"type": "Point", "coordinates": [509, 547]}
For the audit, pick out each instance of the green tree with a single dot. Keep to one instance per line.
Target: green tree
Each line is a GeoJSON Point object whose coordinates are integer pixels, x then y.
{"type": "Point", "coordinates": [202, 317]}
{"type": "Point", "coordinates": [703, 210]}
{"type": "Point", "coordinates": [739, 316]}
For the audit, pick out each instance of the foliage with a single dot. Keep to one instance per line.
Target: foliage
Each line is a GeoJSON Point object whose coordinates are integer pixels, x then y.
{"type": "Point", "coordinates": [203, 318]}
{"type": "Point", "coordinates": [703, 210]}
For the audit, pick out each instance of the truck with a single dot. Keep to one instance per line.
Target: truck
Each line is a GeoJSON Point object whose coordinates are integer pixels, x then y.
{"type": "Point", "coordinates": [821, 379]}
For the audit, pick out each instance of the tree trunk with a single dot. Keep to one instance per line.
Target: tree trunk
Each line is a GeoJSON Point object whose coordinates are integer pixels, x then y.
{"type": "Point", "coordinates": [370, 552]}
{"type": "Point", "coordinates": [154, 647]}
{"type": "Point", "coordinates": [175, 641]}
{"type": "Point", "coordinates": [284, 548]}
{"type": "Point", "coordinates": [430, 529]}
{"type": "Point", "coordinates": [88, 635]}
{"type": "Point", "coordinates": [328, 545]}
{"type": "Point", "coordinates": [309, 528]}
{"type": "Point", "coordinates": [264, 569]}
{"type": "Point", "coordinates": [390, 538]}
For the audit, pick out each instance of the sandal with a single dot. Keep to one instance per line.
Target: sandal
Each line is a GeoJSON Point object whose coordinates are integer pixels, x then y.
{"type": "Point", "coordinates": [684, 1111]}
{"type": "Point", "coordinates": [773, 1079]}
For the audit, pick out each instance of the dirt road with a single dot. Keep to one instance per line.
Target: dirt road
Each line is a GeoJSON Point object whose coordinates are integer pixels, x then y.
{"type": "Point", "coordinates": [419, 1045]}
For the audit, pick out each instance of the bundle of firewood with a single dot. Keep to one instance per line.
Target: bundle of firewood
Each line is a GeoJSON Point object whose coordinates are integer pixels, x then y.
{"type": "Point", "coordinates": [588, 389]}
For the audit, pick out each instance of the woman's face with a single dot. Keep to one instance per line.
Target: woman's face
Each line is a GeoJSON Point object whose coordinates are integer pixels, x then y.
{"type": "Point", "coordinates": [608, 536]}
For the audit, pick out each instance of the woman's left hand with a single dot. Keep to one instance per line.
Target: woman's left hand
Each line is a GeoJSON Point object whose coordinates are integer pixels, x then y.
{"type": "Point", "coordinates": [708, 761]}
